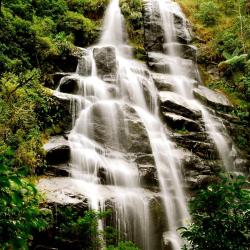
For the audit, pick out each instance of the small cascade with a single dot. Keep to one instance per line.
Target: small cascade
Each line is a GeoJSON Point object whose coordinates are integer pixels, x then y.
{"type": "Point", "coordinates": [113, 25]}
{"type": "Point", "coordinates": [183, 70]}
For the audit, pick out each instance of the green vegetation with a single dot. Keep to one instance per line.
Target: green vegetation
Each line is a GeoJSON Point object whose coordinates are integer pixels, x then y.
{"type": "Point", "coordinates": [35, 33]}
{"type": "Point", "coordinates": [132, 11]}
{"type": "Point", "coordinates": [72, 227]}
{"type": "Point", "coordinates": [69, 226]}
{"type": "Point", "coordinates": [20, 214]}
{"type": "Point", "coordinates": [124, 245]}
{"type": "Point", "coordinates": [221, 214]}
{"type": "Point", "coordinates": [35, 36]}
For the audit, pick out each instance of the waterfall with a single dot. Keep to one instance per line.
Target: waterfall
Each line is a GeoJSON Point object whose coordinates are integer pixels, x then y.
{"type": "Point", "coordinates": [122, 156]}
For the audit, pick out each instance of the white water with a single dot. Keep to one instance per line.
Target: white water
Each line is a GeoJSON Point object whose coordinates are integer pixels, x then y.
{"type": "Point", "coordinates": [180, 77]}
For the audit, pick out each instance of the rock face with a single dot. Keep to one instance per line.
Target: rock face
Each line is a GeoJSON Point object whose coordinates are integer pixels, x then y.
{"type": "Point", "coordinates": [212, 98]}
{"type": "Point", "coordinates": [162, 82]}
{"type": "Point", "coordinates": [119, 135]}
{"type": "Point", "coordinates": [154, 32]}
{"type": "Point", "coordinates": [180, 122]}
{"type": "Point", "coordinates": [84, 66]}
{"type": "Point", "coordinates": [153, 28]}
{"type": "Point", "coordinates": [185, 51]}
{"type": "Point", "coordinates": [161, 63]}
{"type": "Point", "coordinates": [106, 64]}
{"type": "Point", "coordinates": [172, 102]}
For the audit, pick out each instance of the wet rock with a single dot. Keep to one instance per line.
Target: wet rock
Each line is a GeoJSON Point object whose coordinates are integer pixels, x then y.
{"type": "Point", "coordinates": [54, 79]}
{"type": "Point", "coordinates": [106, 64]}
{"type": "Point", "coordinates": [61, 170]}
{"type": "Point", "coordinates": [79, 52]}
{"type": "Point", "coordinates": [153, 31]}
{"type": "Point", "coordinates": [212, 98]}
{"type": "Point", "coordinates": [69, 85]}
{"type": "Point", "coordinates": [130, 133]}
{"type": "Point", "coordinates": [148, 176]}
{"type": "Point", "coordinates": [182, 29]}
{"type": "Point", "coordinates": [180, 122]}
{"type": "Point", "coordinates": [144, 159]}
{"type": "Point", "coordinates": [84, 66]}
{"type": "Point", "coordinates": [137, 136]}
{"type": "Point", "coordinates": [69, 62]}
{"type": "Point", "coordinates": [157, 213]}
{"type": "Point", "coordinates": [199, 172]}
{"type": "Point", "coordinates": [62, 191]}
{"type": "Point", "coordinates": [162, 81]}
{"type": "Point", "coordinates": [158, 63]}
{"type": "Point", "coordinates": [203, 149]}
{"type": "Point", "coordinates": [200, 181]}
{"type": "Point", "coordinates": [185, 51]}
{"type": "Point", "coordinates": [242, 165]}
{"type": "Point", "coordinates": [61, 106]}
{"type": "Point", "coordinates": [175, 103]}
{"type": "Point", "coordinates": [195, 136]}
{"type": "Point", "coordinates": [161, 63]}
{"type": "Point", "coordinates": [57, 150]}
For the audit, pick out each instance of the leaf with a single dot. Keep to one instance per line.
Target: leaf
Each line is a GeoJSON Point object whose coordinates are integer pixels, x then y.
{"type": "Point", "coordinates": [236, 52]}
{"type": "Point", "coordinates": [226, 55]}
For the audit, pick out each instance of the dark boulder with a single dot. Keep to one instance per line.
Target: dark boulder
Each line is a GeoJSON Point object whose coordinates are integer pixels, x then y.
{"type": "Point", "coordinates": [57, 150]}
{"type": "Point", "coordinates": [106, 63]}
{"type": "Point", "coordinates": [69, 85]}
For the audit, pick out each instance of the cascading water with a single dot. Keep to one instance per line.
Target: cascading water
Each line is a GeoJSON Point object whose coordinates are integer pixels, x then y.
{"type": "Point", "coordinates": [179, 70]}
{"type": "Point", "coordinates": [111, 104]}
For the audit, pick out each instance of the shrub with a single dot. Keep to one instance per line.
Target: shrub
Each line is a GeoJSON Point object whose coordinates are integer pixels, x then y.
{"type": "Point", "coordinates": [208, 13]}
{"type": "Point", "coordinates": [221, 214]}
{"type": "Point", "coordinates": [20, 214]}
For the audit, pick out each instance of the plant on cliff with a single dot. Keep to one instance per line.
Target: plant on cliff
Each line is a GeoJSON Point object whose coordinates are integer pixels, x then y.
{"type": "Point", "coordinates": [132, 11]}
{"type": "Point", "coordinates": [221, 215]}
{"type": "Point", "coordinates": [208, 13]}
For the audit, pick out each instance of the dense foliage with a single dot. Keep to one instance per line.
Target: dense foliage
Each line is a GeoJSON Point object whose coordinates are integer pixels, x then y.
{"type": "Point", "coordinates": [35, 33]}
{"type": "Point", "coordinates": [20, 214]}
{"type": "Point", "coordinates": [221, 215]}
{"type": "Point", "coordinates": [75, 228]}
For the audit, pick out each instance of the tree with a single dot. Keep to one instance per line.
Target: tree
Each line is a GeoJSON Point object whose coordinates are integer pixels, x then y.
{"type": "Point", "coordinates": [221, 215]}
